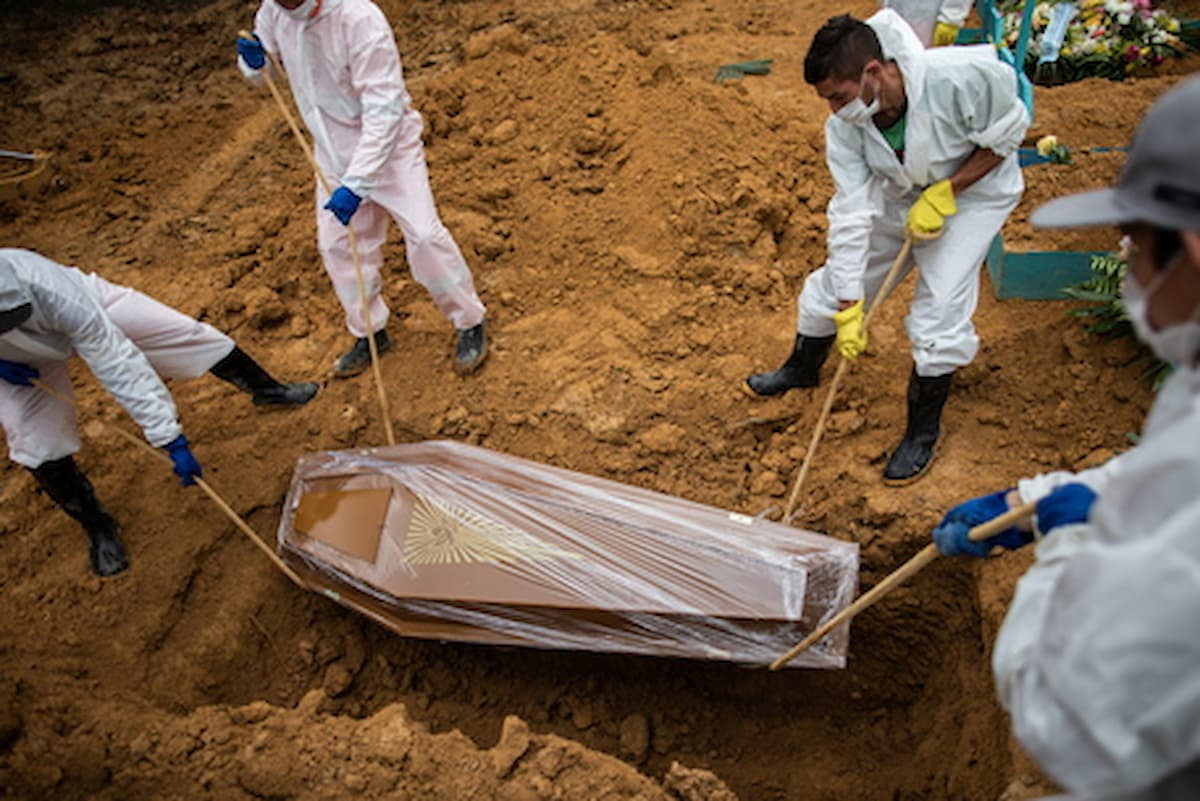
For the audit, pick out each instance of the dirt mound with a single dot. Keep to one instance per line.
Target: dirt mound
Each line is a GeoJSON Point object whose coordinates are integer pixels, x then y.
{"type": "Point", "coordinates": [108, 750]}
{"type": "Point", "coordinates": [639, 233]}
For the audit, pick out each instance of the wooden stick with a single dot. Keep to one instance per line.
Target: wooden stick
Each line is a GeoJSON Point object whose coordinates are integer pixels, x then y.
{"type": "Point", "coordinates": [209, 491]}
{"type": "Point", "coordinates": [884, 288]}
{"type": "Point", "coordinates": [362, 286]}
{"type": "Point", "coordinates": [902, 574]}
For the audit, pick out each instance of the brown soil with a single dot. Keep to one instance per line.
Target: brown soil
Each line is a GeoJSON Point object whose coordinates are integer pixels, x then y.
{"type": "Point", "coordinates": [639, 234]}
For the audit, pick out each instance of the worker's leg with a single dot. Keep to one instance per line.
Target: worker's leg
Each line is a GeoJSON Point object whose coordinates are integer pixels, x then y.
{"type": "Point", "coordinates": [815, 307]}
{"type": "Point", "coordinates": [370, 233]}
{"type": "Point", "coordinates": [179, 346]}
{"type": "Point", "coordinates": [41, 434]}
{"type": "Point", "coordinates": [248, 375]}
{"type": "Point", "coordinates": [941, 332]}
{"type": "Point", "coordinates": [67, 486]}
{"type": "Point", "coordinates": [176, 345]}
{"type": "Point", "coordinates": [39, 426]}
{"type": "Point", "coordinates": [434, 257]}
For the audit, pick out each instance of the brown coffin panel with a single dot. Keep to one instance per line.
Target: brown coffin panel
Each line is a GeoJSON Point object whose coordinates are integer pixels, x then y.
{"type": "Point", "coordinates": [449, 541]}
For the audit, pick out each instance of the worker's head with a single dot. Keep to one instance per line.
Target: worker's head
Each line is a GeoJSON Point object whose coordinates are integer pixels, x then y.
{"type": "Point", "coordinates": [845, 64]}
{"type": "Point", "coordinates": [15, 307]}
{"type": "Point", "coordinates": [1156, 204]}
{"type": "Point", "coordinates": [300, 9]}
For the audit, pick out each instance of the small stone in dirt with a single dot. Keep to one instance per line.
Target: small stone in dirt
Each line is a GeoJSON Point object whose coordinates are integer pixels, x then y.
{"type": "Point", "coordinates": [310, 704]}
{"type": "Point", "coordinates": [337, 680]}
{"type": "Point", "coordinates": [635, 736]}
{"type": "Point", "coordinates": [768, 483]}
{"type": "Point", "coordinates": [506, 131]}
{"type": "Point", "coordinates": [581, 715]}
{"type": "Point", "coordinates": [355, 782]}
{"type": "Point", "coordinates": [664, 438]}
{"type": "Point", "coordinates": [694, 784]}
{"type": "Point", "coordinates": [514, 742]}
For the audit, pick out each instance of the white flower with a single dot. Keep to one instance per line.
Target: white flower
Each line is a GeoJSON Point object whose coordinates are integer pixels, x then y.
{"type": "Point", "coordinates": [1046, 145]}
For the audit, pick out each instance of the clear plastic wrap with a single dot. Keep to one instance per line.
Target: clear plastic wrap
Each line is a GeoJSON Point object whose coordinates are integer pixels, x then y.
{"type": "Point", "coordinates": [454, 542]}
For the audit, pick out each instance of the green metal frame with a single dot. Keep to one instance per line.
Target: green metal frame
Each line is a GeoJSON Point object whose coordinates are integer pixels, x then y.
{"type": "Point", "coordinates": [993, 32]}
{"type": "Point", "coordinates": [1036, 275]}
{"type": "Point", "coordinates": [1033, 275]}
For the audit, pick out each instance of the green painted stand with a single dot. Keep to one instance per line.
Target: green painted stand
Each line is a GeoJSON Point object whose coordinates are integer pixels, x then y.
{"type": "Point", "coordinates": [992, 32]}
{"type": "Point", "coordinates": [1036, 275]}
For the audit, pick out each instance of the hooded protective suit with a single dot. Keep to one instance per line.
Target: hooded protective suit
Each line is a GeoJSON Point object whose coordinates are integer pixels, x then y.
{"type": "Point", "coordinates": [924, 15]}
{"type": "Point", "coordinates": [959, 99]}
{"type": "Point", "coordinates": [126, 338]}
{"type": "Point", "coordinates": [1097, 658]}
{"type": "Point", "coordinates": [346, 78]}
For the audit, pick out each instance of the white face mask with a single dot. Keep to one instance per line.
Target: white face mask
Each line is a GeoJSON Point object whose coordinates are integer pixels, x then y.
{"type": "Point", "coordinates": [301, 11]}
{"type": "Point", "coordinates": [856, 112]}
{"type": "Point", "coordinates": [1178, 344]}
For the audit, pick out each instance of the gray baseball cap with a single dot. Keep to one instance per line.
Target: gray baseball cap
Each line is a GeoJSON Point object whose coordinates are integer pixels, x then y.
{"type": "Point", "coordinates": [1160, 183]}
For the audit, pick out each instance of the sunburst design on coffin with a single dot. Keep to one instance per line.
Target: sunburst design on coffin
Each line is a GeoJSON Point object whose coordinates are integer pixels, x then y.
{"type": "Point", "coordinates": [440, 534]}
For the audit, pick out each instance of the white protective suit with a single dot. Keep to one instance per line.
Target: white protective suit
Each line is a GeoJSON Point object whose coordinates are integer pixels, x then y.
{"type": "Point", "coordinates": [924, 15]}
{"type": "Point", "coordinates": [122, 335]}
{"type": "Point", "coordinates": [1097, 660]}
{"type": "Point", "coordinates": [959, 99]}
{"type": "Point", "coordinates": [345, 75]}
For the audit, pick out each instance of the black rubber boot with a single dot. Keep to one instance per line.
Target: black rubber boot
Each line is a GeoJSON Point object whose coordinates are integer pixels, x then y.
{"type": "Point", "coordinates": [801, 370]}
{"type": "Point", "coordinates": [244, 373]}
{"type": "Point", "coordinates": [470, 349]}
{"type": "Point", "coordinates": [358, 358]}
{"type": "Point", "coordinates": [914, 454]}
{"type": "Point", "coordinates": [70, 489]}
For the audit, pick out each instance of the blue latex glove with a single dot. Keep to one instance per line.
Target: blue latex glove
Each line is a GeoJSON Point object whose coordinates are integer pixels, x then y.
{"type": "Point", "coordinates": [251, 51]}
{"type": "Point", "coordinates": [951, 534]}
{"type": "Point", "coordinates": [343, 203]}
{"type": "Point", "coordinates": [16, 373]}
{"type": "Point", "coordinates": [1068, 504]}
{"type": "Point", "coordinates": [186, 466]}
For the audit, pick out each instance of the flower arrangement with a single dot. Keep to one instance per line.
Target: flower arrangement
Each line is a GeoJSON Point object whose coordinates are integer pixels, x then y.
{"type": "Point", "coordinates": [1050, 149]}
{"type": "Point", "coordinates": [1104, 38]}
{"type": "Point", "coordinates": [1106, 312]}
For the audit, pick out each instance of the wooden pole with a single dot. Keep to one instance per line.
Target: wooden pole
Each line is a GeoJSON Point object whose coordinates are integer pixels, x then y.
{"type": "Point", "coordinates": [209, 491]}
{"type": "Point", "coordinates": [901, 575]}
{"type": "Point", "coordinates": [362, 287]}
{"type": "Point", "coordinates": [884, 288]}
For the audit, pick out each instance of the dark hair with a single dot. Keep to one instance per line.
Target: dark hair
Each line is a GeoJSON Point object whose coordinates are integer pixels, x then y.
{"type": "Point", "coordinates": [1167, 244]}
{"type": "Point", "coordinates": [840, 50]}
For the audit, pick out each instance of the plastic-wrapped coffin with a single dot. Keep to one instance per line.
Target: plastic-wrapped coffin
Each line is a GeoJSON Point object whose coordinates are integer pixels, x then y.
{"type": "Point", "coordinates": [453, 542]}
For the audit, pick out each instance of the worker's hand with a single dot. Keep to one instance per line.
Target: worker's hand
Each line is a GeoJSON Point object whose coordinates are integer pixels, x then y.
{"type": "Point", "coordinates": [851, 334]}
{"type": "Point", "coordinates": [945, 34]}
{"type": "Point", "coordinates": [951, 534]}
{"type": "Point", "coordinates": [186, 466]}
{"type": "Point", "coordinates": [252, 52]}
{"type": "Point", "coordinates": [17, 374]}
{"type": "Point", "coordinates": [929, 213]}
{"type": "Point", "coordinates": [343, 203]}
{"type": "Point", "coordinates": [1070, 503]}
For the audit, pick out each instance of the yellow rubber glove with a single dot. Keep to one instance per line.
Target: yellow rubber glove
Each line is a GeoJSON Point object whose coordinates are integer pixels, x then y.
{"type": "Point", "coordinates": [929, 213]}
{"type": "Point", "coordinates": [945, 34]}
{"type": "Point", "coordinates": [851, 335]}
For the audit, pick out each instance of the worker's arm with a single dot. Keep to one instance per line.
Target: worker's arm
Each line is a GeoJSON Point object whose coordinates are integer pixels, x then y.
{"type": "Point", "coordinates": [954, 12]}
{"type": "Point", "coordinates": [993, 118]}
{"type": "Point", "coordinates": [857, 201]}
{"type": "Point", "coordinates": [977, 165]}
{"type": "Point", "coordinates": [117, 363]}
{"type": "Point", "coordinates": [253, 53]}
{"type": "Point", "coordinates": [376, 77]}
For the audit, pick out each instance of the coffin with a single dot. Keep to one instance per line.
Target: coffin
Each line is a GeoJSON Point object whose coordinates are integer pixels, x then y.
{"type": "Point", "coordinates": [453, 542]}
